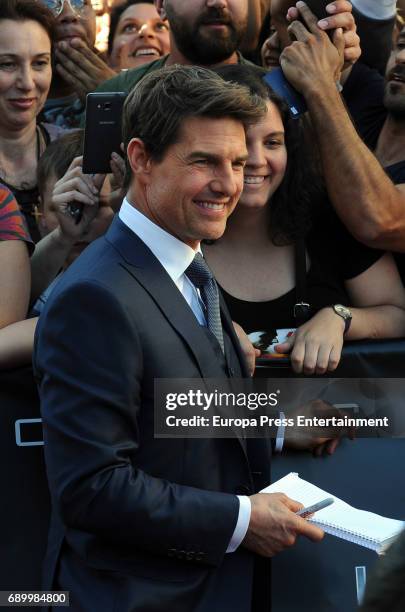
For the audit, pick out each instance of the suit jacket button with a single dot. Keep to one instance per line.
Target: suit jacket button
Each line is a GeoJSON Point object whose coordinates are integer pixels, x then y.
{"type": "Point", "coordinates": [243, 490]}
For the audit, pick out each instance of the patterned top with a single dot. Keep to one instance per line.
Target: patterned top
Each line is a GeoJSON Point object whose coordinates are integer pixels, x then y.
{"type": "Point", "coordinates": [12, 224]}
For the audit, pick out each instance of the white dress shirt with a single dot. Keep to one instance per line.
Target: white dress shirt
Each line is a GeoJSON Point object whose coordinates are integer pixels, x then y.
{"type": "Point", "coordinates": [176, 256]}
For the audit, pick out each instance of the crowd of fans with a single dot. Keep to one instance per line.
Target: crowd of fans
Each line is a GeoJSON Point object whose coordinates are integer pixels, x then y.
{"type": "Point", "coordinates": [321, 219]}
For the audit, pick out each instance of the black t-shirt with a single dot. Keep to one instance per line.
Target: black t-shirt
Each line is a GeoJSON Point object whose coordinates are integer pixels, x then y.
{"type": "Point", "coordinates": [363, 94]}
{"type": "Point", "coordinates": [375, 40]}
{"type": "Point", "coordinates": [335, 257]}
{"type": "Point", "coordinates": [396, 172]}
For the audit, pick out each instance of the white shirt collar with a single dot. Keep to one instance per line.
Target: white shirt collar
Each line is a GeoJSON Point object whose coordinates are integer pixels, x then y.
{"type": "Point", "coordinates": [174, 255]}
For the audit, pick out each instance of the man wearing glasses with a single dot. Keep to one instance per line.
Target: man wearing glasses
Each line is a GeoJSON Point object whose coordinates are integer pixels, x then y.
{"type": "Point", "coordinates": [79, 68]}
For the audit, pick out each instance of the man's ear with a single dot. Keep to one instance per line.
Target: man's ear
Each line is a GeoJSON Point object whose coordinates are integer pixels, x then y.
{"type": "Point", "coordinates": [138, 157]}
{"type": "Point", "coordinates": [160, 7]}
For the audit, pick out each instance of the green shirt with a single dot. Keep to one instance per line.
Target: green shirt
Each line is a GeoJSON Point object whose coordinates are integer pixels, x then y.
{"type": "Point", "coordinates": [126, 80]}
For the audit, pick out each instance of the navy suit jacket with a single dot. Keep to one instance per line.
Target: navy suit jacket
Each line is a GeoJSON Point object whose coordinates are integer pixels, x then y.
{"type": "Point", "coordinates": [138, 523]}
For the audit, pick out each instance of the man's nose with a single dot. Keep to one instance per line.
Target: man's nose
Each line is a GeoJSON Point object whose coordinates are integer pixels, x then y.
{"type": "Point", "coordinates": [67, 15]}
{"type": "Point", "coordinates": [226, 182]}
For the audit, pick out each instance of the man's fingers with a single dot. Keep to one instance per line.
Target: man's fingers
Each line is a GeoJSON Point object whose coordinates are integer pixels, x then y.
{"type": "Point", "coordinates": [339, 6]}
{"type": "Point", "coordinates": [343, 20]}
{"type": "Point", "coordinates": [309, 530]}
{"type": "Point", "coordinates": [65, 74]}
{"type": "Point", "coordinates": [298, 31]}
{"type": "Point", "coordinates": [291, 504]}
{"type": "Point", "coordinates": [292, 14]}
{"type": "Point", "coordinates": [310, 20]}
{"type": "Point", "coordinates": [72, 59]}
{"type": "Point", "coordinates": [78, 53]}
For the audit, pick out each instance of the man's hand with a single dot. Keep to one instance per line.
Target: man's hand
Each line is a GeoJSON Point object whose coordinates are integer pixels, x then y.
{"type": "Point", "coordinates": [250, 352]}
{"type": "Point", "coordinates": [312, 62]}
{"type": "Point", "coordinates": [340, 16]}
{"type": "Point", "coordinates": [80, 67]}
{"type": "Point", "coordinates": [316, 346]}
{"type": "Point", "coordinates": [274, 525]}
{"type": "Point", "coordinates": [80, 188]}
{"type": "Point", "coordinates": [319, 443]}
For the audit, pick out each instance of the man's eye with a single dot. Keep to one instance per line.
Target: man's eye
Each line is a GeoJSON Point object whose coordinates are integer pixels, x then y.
{"type": "Point", "coordinates": [273, 144]}
{"type": "Point", "coordinates": [239, 164]}
{"type": "Point", "coordinates": [161, 27]}
{"type": "Point", "coordinates": [7, 65]}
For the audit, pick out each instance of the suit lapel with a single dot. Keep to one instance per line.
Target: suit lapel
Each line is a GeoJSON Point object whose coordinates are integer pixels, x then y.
{"type": "Point", "coordinates": [143, 266]}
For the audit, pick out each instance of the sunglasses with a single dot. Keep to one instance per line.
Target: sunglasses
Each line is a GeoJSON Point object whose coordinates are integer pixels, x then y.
{"type": "Point", "coordinates": [56, 6]}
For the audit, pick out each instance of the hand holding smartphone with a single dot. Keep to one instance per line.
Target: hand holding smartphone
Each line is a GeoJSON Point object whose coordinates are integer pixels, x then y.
{"type": "Point", "coordinates": [102, 135]}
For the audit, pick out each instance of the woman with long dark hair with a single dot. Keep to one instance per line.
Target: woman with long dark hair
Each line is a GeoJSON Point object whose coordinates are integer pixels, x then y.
{"type": "Point", "coordinates": [285, 261]}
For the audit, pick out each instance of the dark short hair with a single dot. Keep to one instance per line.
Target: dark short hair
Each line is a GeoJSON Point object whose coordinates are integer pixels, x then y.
{"type": "Point", "coordinates": [115, 17]}
{"type": "Point", "coordinates": [158, 105]}
{"type": "Point", "coordinates": [22, 10]}
{"type": "Point", "coordinates": [58, 156]}
{"type": "Point", "coordinates": [295, 202]}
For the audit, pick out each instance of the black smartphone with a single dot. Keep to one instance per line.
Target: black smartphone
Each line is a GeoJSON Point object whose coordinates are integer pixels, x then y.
{"type": "Point", "coordinates": [102, 134]}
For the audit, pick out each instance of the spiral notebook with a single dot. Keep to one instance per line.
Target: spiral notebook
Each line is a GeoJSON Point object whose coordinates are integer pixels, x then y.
{"type": "Point", "coordinates": [340, 519]}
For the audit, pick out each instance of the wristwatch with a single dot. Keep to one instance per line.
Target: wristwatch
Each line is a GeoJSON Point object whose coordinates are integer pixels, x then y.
{"type": "Point", "coordinates": [345, 313]}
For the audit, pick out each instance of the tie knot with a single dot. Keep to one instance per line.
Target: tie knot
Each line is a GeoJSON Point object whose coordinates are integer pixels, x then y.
{"type": "Point", "coordinates": [198, 271]}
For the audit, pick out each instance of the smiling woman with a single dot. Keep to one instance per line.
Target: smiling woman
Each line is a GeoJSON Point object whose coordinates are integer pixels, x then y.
{"type": "Point", "coordinates": [137, 35]}
{"type": "Point", "coordinates": [26, 32]}
{"type": "Point", "coordinates": [284, 264]}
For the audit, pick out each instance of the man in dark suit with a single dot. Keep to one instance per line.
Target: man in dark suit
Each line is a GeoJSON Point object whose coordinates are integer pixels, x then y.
{"type": "Point", "coordinates": [144, 524]}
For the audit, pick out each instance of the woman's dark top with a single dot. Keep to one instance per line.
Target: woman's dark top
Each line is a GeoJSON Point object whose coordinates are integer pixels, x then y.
{"type": "Point", "coordinates": [335, 257]}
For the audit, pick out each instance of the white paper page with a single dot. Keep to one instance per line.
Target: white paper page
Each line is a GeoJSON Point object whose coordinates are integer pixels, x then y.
{"type": "Point", "coordinates": [339, 514]}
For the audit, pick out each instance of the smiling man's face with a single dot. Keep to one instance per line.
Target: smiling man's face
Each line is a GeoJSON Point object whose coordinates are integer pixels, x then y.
{"type": "Point", "coordinates": [192, 191]}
